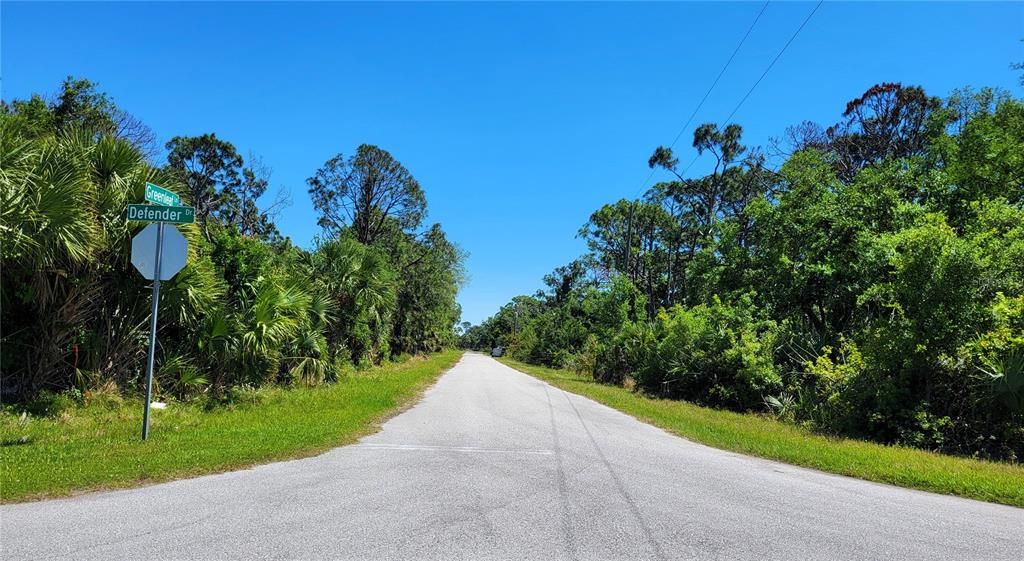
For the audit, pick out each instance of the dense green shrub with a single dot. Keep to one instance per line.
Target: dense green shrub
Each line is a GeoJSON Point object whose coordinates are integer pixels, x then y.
{"type": "Point", "coordinates": [248, 309]}
{"type": "Point", "coordinates": [872, 286]}
{"type": "Point", "coordinates": [717, 354]}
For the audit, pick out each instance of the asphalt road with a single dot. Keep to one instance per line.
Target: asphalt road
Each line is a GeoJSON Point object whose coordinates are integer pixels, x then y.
{"type": "Point", "coordinates": [493, 464]}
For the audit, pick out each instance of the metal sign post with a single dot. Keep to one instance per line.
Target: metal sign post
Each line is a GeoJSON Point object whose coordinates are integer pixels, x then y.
{"type": "Point", "coordinates": [151, 262]}
{"type": "Point", "coordinates": [152, 329]}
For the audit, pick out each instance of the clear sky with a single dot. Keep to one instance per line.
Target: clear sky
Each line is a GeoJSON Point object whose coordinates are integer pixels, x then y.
{"type": "Point", "coordinates": [519, 120]}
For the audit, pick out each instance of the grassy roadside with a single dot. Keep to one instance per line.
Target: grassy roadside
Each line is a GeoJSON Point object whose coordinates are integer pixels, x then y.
{"type": "Point", "coordinates": [99, 447]}
{"type": "Point", "coordinates": [765, 437]}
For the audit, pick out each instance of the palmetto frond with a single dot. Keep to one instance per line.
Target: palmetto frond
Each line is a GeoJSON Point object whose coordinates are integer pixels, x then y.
{"type": "Point", "coordinates": [17, 162]}
{"type": "Point", "coordinates": [309, 363]}
{"type": "Point", "coordinates": [322, 309]}
{"type": "Point", "coordinates": [1006, 378]}
{"type": "Point", "coordinates": [57, 205]}
{"type": "Point", "coordinates": [179, 374]}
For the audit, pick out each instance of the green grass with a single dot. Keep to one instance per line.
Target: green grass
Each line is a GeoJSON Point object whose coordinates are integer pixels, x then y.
{"type": "Point", "coordinates": [760, 435]}
{"type": "Point", "coordinates": [99, 446]}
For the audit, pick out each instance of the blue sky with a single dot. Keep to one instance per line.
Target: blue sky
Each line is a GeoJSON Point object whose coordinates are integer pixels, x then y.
{"type": "Point", "coordinates": [519, 120]}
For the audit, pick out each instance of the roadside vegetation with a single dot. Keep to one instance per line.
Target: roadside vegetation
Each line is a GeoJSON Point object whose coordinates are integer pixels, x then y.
{"type": "Point", "coordinates": [250, 309]}
{"type": "Point", "coordinates": [96, 445]}
{"type": "Point", "coordinates": [764, 436]}
{"type": "Point", "coordinates": [251, 318]}
{"type": "Point", "coordinates": [863, 279]}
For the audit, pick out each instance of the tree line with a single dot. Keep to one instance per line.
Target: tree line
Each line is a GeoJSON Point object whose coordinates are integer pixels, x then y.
{"type": "Point", "coordinates": [250, 307]}
{"type": "Point", "coordinates": [872, 285]}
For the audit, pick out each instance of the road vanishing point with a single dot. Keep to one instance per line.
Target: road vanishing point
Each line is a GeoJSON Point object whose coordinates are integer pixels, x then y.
{"type": "Point", "coordinates": [494, 464]}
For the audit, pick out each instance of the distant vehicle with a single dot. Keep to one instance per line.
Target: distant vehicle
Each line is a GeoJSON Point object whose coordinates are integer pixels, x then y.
{"type": "Point", "coordinates": [497, 351]}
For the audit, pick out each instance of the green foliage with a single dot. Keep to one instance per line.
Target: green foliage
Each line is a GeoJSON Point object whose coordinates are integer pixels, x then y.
{"type": "Point", "coordinates": [249, 308]}
{"type": "Point", "coordinates": [717, 354]}
{"type": "Point", "coordinates": [180, 376]}
{"type": "Point", "coordinates": [71, 300]}
{"type": "Point", "coordinates": [930, 296]}
{"type": "Point", "coordinates": [368, 193]}
{"type": "Point", "coordinates": [362, 286]}
{"type": "Point", "coordinates": [999, 353]}
{"type": "Point", "coordinates": [830, 380]}
{"type": "Point", "coordinates": [425, 308]}
{"type": "Point", "coordinates": [984, 161]}
{"type": "Point", "coordinates": [1007, 380]}
{"type": "Point", "coordinates": [219, 182]}
{"type": "Point", "coordinates": [81, 107]}
{"type": "Point", "coordinates": [50, 404]}
{"type": "Point", "coordinates": [870, 287]}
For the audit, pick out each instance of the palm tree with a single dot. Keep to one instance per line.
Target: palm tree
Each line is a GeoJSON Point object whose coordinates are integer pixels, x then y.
{"type": "Point", "coordinates": [50, 239]}
{"type": "Point", "coordinates": [308, 354]}
{"type": "Point", "coordinates": [72, 302]}
{"type": "Point", "coordinates": [361, 284]}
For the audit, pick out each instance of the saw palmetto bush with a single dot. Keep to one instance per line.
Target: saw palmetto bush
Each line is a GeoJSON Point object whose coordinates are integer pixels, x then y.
{"type": "Point", "coordinates": [72, 301]}
{"type": "Point", "coordinates": [75, 311]}
{"type": "Point", "coordinates": [50, 237]}
{"type": "Point", "coordinates": [308, 356]}
{"type": "Point", "coordinates": [270, 321]}
{"type": "Point", "coordinates": [249, 308]}
{"type": "Point", "coordinates": [359, 287]}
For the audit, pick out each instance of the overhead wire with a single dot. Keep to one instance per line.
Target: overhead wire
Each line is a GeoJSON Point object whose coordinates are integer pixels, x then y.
{"type": "Point", "coordinates": [763, 74]}
{"type": "Point", "coordinates": [629, 243]}
{"type": "Point", "coordinates": [712, 87]}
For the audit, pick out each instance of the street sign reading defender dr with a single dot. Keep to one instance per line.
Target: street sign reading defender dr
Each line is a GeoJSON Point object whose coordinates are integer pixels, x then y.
{"type": "Point", "coordinates": [160, 196]}
{"type": "Point", "coordinates": [168, 214]}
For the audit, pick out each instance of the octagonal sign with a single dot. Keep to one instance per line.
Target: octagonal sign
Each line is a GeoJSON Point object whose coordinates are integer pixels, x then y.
{"type": "Point", "coordinates": [175, 252]}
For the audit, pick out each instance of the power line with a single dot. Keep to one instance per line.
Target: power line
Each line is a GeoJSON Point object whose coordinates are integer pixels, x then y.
{"type": "Point", "coordinates": [765, 73]}
{"type": "Point", "coordinates": [719, 77]}
{"type": "Point", "coordinates": [690, 165]}
{"type": "Point", "coordinates": [713, 84]}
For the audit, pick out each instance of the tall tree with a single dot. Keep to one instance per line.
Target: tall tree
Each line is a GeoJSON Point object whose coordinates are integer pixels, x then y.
{"type": "Point", "coordinates": [709, 196]}
{"type": "Point", "coordinates": [221, 185]}
{"type": "Point", "coordinates": [427, 310]}
{"type": "Point", "coordinates": [566, 279]}
{"type": "Point", "coordinates": [700, 206]}
{"type": "Point", "coordinates": [238, 204]}
{"type": "Point", "coordinates": [208, 165]}
{"type": "Point", "coordinates": [81, 106]}
{"type": "Point", "coordinates": [633, 239]}
{"type": "Point", "coordinates": [366, 191]}
{"type": "Point", "coordinates": [889, 120]}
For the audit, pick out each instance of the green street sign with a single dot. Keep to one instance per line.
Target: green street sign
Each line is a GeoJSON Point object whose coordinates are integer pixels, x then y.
{"type": "Point", "coordinates": [160, 196]}
{"type": "Point", "coordinates": [168, 214]}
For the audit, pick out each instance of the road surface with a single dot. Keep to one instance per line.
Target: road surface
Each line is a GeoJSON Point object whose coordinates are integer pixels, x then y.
{"type": "Point", "coordinates": [494, 464]}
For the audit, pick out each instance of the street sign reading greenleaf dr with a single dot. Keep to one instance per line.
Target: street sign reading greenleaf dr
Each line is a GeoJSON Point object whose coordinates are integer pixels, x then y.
{"type": "Point", "coordinates": [160, 196]}
{"type": "Point", "coordinates": [168, 214]}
